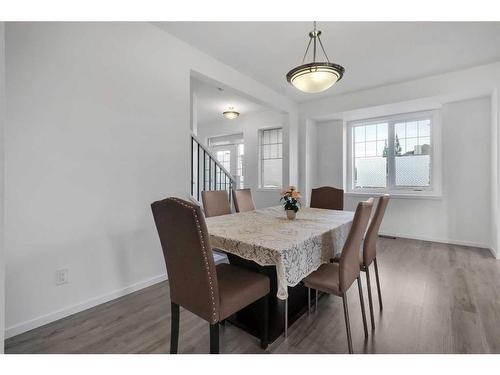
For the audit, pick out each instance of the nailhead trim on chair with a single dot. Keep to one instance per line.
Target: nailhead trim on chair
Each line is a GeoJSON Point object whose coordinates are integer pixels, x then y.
{"type": "Point", "coordinates": [205, 257]}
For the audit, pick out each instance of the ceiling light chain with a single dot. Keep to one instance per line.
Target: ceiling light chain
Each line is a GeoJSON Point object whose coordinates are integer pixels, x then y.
{"type": "Point", "coordinates": [307, 50]}
{"type": "Point", "coordinates": [323, 48]}
{"type": "Point", "coordinates": [314, 36]}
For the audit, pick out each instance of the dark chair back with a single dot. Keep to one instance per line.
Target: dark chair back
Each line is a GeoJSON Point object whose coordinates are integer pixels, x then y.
{"type": "Point", "coordinates": [215, 202]}
{"type": "Point", "coordinates": [327, 197]}
{"type": "Point", "coordinates": [243, 200]}
{"type": "Point", "coordinates": [349, 259]}
{"type": "Point", "coordinates": [370, 243]}
{"type": "Point", "coordinates": [190, 264]}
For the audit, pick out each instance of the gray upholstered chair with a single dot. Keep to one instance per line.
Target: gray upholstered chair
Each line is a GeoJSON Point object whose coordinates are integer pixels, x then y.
{"type": "Point", "coordinates": [212, 292]}
{"type": "Point", "coordinates": [369, 255]}
{"type": "Point", "coordinates": [337, 278]}
{"type": "Point", "coordinates": [215, 202]}
{"type": "Point", "coordinates": [243, 200]}
{"type": "Point", "coordinates": [327, 197]}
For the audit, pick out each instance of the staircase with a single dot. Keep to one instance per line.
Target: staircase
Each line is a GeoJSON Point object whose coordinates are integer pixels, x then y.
{"type": "Point", "coordinates": [207, 173]}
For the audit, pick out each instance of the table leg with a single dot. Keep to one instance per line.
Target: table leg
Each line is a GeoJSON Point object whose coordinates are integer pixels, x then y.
{"type": "Point", "coordinates": [309, 301]}
{"type": "Point", "coordinates": [250, 318]}
{"type": "Point", "coordinates": [286, 318]}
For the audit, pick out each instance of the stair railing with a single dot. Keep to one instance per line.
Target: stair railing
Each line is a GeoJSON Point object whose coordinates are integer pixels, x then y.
{"type": "Point", "coordinates": [207, 173]}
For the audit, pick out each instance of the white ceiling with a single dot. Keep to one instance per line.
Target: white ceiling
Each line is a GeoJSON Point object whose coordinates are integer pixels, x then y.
{"type": "Point", "coordinates": [373, 53]}
{"type": "Point", "coordinates": [211, 102]}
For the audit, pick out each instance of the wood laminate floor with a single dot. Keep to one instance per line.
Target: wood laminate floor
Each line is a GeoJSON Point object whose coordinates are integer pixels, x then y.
{"type": "Point", "coordinates": [437, 299]}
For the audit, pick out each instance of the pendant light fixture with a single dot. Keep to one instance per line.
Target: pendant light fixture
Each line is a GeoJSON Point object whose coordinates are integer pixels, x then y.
{"type": "Point", "coordinates": [316, 76]}
{"type": "Point", "coordinates": [230, 113]}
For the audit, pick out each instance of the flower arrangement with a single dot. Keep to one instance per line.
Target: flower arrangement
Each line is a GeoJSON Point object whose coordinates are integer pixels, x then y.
{"type": "Point", "coordinates": [290, 198]}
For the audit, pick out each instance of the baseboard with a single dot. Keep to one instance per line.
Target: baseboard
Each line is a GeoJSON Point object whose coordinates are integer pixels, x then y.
{"type": "Point", "coordinates": [494, 253]}
{"type": "Point", "coordinates": [73, 309]}
{"type": "Point", "coordinates": [440, 240]}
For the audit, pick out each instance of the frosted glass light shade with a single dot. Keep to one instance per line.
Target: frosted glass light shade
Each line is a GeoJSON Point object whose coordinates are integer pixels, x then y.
{"type": "Point", "coordinates": [230, 114]}
{"type": "Point", "coordinates": [315, 77]}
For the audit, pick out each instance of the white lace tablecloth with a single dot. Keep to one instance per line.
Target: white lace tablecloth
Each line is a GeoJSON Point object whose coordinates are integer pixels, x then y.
{"type": "Point", "coordinates": [296, 247]}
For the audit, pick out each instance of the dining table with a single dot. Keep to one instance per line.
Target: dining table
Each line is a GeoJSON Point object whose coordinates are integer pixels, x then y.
{"type": "Point", "coordinates": [266, 241]}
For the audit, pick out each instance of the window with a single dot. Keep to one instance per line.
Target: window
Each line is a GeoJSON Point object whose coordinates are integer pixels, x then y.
{"type": "Point", "coordinates": [392, 154]}
{"type": "Point", "coordinates": [412, 151]}
{"type": "Point", "coordinates": [229, 150]}
{"type": "Point", "coordinates": [240, 173]}
{"type": "Point", "coordinates": [271, 158]}
{"type": "Point", "coordinates": [223, 157]}
{"type": "Point", "coordinates": [370, 156]}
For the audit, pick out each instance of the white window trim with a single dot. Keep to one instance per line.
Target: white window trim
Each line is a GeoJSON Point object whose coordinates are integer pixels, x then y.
{"type": "Point", "coordinates": [260, 165]}
{"type": "Point", "coordinates": [432, 192]}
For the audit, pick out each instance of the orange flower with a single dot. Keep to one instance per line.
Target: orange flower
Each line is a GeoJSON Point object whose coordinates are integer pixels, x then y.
{"type": "Point", "coordinates": [291, 191]}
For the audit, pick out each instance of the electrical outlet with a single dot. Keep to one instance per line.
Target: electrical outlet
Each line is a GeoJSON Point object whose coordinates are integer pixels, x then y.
{"type": "Point", "coordinates": [62, 276]}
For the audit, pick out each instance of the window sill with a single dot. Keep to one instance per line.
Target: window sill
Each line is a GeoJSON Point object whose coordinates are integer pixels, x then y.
{"type": "Point", "coordinates": [269, 189]}
{"type": "Point", "coordinates": [396, 195]}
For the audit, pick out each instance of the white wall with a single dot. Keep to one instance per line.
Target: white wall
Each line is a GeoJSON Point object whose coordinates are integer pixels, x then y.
{"type": "Point", "coordinates": [2, 119]}
{"type": "Point", "coordinates": [98, 123]}
{"type": "Point", "coordinates": [309, 171]}
{"type": "Point", "coordinates": [466, 139]}
{"type": "Point", "coordinates": [495, 175]}
{"type": "Point", "coordinates": [249, 125]}
{"type": "Point", "coordinates": [462, 215]}
{"type": "Point", "coordinates": [329, 152]}
{"type": "Point", "coordinates": [311, 159]}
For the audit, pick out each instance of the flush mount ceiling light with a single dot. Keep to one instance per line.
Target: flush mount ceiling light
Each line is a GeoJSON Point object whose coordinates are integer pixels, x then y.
{"type": "Point", "coordinates": [230, 113]}
{"type": "Point", "coordinates": [315, 76]}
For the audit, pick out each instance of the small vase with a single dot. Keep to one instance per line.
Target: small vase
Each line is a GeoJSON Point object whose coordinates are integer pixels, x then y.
{"type": "Point", "coordinates": [290, 214]}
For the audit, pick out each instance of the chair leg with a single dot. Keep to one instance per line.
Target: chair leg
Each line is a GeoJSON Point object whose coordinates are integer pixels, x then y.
{"type": "Point", "coordinates": [378, 284]}
{"type": "Point", "coordinates": [347, 324]}
{"type": "Point", "coordinates": [174, 327]}
{"type": "Point", "coordinates": [214, 338]}
{"type": "Point", "coordinates": [362, 303]}
{"type": "Point", "coordinates": [316, 303]}
{"type": "Point", "coordinates": [265, 323]}
{"type": "Point", "coordinates": [370, 300]}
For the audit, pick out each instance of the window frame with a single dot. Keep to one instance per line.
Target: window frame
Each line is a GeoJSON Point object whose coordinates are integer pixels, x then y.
{"type": "Point", "coordinates": [433, 190]}
{"type": "Point", "coordinates": [240, 156]}
{"type": "Point", "coordinates": [261, 160]}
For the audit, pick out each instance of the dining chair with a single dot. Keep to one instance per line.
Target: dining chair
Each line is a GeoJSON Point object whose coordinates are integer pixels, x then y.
{"type": "Point", "coordinates": [211, 292]}
{"type": "Point", "coordinates": [369, 255]}
{"type": "Point", "coordinates": [215, 202]}
{"type": "Point", "coordinates": [243, 200]}
{"type": "Point", "coordinates": [327, 197]}
{"type": "Point", "coordinates": [337, 278]}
